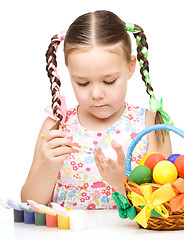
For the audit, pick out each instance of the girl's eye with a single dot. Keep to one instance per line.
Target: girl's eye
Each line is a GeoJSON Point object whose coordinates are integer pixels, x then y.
{"type": "Point", "coordinates": [110, 83]}
{"type": "Point", "coordinates": [83, 84]}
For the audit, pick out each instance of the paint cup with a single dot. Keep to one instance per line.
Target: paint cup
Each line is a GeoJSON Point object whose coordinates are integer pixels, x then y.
{"type": "Point", "coordinates": [18, 215]}
{"type": "Point", "coordinates": [29, 217]}
{"type": "Point", "coordinates": [64, 222]}
{"type": "Point", "coordinates": [77, 219]}
{"type": "Point", "coordinates": [40, 219]}
{"type": "Point", "coordinates": [51, 221]}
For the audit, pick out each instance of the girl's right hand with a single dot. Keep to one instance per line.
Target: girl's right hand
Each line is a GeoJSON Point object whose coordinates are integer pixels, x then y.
{"type": "Point", "coordinates": [55, 149]}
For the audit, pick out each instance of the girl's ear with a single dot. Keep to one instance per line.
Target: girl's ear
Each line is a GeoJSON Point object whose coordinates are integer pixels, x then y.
{"type": "Point", "coordinates": [132, 66]}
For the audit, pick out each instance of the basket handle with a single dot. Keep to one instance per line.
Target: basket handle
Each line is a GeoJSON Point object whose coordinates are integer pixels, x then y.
{"type": "Point", "coordinates": [140, 135]}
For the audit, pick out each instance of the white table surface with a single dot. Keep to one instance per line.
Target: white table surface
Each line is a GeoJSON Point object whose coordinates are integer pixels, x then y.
{"type": "Point", "coordinates": [100, 224]}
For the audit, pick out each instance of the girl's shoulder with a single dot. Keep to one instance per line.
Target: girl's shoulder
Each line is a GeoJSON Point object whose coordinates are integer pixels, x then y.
{"type": "Point", "coordinates": [47, 125]}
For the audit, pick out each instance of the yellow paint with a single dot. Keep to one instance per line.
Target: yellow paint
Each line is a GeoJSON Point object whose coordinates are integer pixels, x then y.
{"type": "Point", "coordinates": [64, 222]}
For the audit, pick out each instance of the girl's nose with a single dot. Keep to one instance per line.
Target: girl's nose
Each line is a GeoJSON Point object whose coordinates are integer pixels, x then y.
{"type": "Point", "coordinates": [97, 93]}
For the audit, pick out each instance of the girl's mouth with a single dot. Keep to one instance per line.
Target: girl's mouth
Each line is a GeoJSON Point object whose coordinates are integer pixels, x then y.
{"type": "Point", "coordinates": [99, 106]}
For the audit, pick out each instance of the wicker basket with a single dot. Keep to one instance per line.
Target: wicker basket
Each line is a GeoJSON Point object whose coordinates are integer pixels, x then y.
{"type": "Point", "coordinates": [175, 221]}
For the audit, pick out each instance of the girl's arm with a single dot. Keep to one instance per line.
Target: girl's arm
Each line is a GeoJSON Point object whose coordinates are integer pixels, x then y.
{"type": "Point", "coordinates": [49, 157]}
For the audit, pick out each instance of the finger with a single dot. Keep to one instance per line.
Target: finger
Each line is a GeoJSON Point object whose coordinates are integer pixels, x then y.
{"type": "Point", "coordinates": [55, 134]}
{"type": "Point", "coordinates": [59, 151]}
{"type": "Point", "coordinates": [99, 154]}
{"type": "Point", "coordinates": [108, 163]}
{"type": "Point", "coordinates": [58, 160]}
{"type": "Point", "coordinates": [119, 151]}
{"type": "Point", "coordinates": [98, 163]}
{"type": "Point", "coordinates": [56, 142]}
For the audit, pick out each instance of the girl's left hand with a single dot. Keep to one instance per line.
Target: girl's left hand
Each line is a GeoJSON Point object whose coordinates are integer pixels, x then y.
{"type": "Point", "coordinates": [112, 171]}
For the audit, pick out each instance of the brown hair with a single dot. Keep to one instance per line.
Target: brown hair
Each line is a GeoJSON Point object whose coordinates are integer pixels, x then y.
{"type": "Point", "coordinates": [99, 28]}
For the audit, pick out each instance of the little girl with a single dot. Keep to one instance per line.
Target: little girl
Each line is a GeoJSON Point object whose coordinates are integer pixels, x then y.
{"type": "Point", "coordinates": [74, 164]}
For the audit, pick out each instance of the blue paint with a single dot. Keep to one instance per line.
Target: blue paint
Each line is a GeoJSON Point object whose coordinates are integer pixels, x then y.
{"type": "Point", "coordinates": [29, 217]}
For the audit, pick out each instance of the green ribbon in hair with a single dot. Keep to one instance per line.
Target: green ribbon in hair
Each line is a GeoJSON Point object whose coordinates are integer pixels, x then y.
{"type": "Point", "coordinates": [144, 50]}
{"type": "Point", "coordinates": [138, 39]}
{"type": "Point", "coordinates": [156, 105]}
{"type": "Point", "coordinates": [130, 27]}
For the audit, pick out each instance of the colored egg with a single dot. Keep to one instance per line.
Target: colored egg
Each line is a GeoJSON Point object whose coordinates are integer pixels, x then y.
{"type": "Point", "coordinates": [153, 159]}
{"type": "Point", "coordinates": [144, 158]}
{"type": "Point", "coordinates": [173, 157]}
{"type": "Point", "coordinates": [164, 172]}
{"type": "Point", "coordinates": [179, 163]}
{"type": "Point", "coordinates": [140, 174]}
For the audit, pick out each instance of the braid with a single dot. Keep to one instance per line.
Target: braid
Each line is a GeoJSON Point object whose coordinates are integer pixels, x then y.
{"type": "Point", "coordinates": [52, 73]}
{"type": "Point", "coordinates": [142, 54]}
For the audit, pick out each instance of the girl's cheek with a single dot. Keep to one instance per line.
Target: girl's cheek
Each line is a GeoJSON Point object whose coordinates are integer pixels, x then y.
{"type": "Point", "coordinates": [82, 96]}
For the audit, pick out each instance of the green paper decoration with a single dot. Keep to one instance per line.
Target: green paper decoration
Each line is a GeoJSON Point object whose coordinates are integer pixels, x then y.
{"type": "Point", "coordinates": [124, 209]}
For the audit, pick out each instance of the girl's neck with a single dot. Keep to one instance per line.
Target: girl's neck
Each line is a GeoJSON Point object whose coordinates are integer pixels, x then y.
{"type": "Point", "coordinates": [91, 122]}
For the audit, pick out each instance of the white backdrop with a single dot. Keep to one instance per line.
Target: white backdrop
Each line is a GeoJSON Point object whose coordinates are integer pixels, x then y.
{"type": "Point", "coordinates": [26, 29]}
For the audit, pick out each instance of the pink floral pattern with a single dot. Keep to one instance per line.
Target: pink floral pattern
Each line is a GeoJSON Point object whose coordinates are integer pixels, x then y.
{"type": "Point", "coordinates": [79, 184]}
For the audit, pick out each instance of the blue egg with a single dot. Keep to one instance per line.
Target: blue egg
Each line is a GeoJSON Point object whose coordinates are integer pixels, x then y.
{"type": "Point", "coordinates": [173, 157]}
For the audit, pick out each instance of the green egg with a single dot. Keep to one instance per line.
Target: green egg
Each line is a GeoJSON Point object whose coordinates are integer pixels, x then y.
{"type": "Point", "coordinates": [140, 174]}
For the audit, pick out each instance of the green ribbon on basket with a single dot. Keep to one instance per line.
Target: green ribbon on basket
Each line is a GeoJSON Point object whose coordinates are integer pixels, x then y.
{"type": "Point", "coordinates": [156, 105]}
{"type": "Point", "coordinates": [124, 209]}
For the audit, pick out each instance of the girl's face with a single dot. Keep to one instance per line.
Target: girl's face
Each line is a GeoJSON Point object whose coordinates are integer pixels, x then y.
{"type": "Point", "coordinates": [99, 78]}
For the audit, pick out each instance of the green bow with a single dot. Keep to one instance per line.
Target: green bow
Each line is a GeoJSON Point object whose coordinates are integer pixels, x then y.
{"type": "Point", "coordinates": [124, 209]}
{"type": "Point", "coordinates": [156, 105]}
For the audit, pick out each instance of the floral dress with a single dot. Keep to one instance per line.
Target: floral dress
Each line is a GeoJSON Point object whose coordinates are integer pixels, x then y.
{"type": "Point", "coordinates": [79, 184]}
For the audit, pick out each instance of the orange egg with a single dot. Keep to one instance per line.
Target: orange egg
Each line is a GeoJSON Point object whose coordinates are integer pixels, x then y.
{"type": "Point", "coordinates": [179, 164]}
{"type": "Point", "coordinates": [153, 159]}
{"type": "Point", "coordinates": [142, 161]}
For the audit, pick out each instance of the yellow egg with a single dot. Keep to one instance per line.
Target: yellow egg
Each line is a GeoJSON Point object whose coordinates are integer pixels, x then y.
{"type": "Point", "coordinates": [164, 172]}
{"type": "Point", "coordinates": [144, 158]}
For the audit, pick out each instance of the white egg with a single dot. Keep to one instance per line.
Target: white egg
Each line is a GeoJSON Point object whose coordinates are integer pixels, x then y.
{"type": "Point", "coordinates": [110, 152]}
